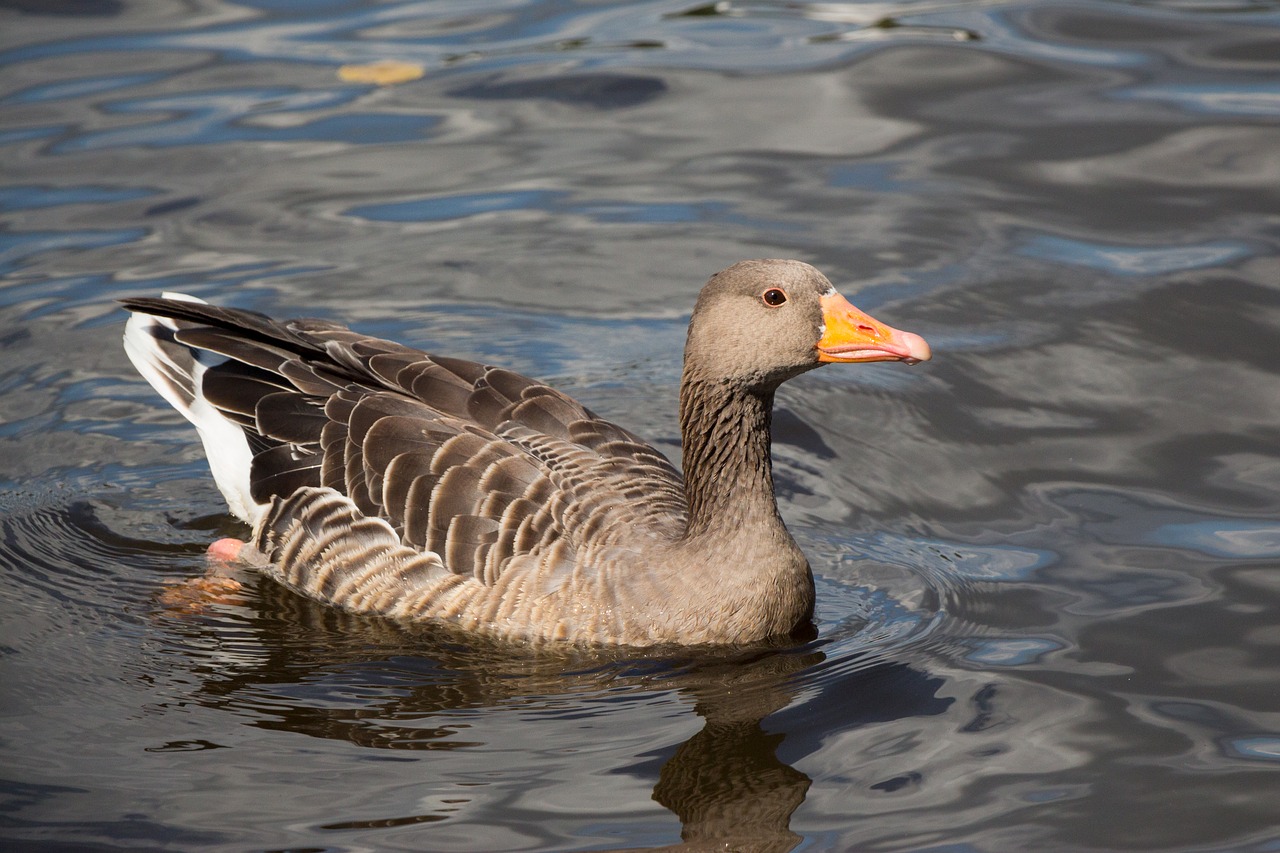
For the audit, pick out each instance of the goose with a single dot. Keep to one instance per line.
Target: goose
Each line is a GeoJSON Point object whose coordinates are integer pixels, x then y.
{"type": "Point", "coordinates": [384, 480]}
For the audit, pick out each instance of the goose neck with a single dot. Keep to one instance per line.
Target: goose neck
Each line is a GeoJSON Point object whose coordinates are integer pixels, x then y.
{"type": "Point", "coordinates": [726, 453]}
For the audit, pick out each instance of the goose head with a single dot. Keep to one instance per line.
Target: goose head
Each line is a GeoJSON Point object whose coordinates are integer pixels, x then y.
{"type": "Point", "coordinates": [761, 322]}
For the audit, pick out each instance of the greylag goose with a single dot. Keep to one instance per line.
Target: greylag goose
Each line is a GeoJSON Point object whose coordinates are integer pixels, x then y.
{"type": "Point", "coordinates": [384, 480]}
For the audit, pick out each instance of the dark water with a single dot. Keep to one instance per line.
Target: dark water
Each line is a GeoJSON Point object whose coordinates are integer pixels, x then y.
{"type": "Point", "coordinates": [1049, 560]}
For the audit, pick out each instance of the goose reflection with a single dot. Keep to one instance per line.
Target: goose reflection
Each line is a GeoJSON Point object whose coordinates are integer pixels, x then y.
{"type": "Point", "coordinates": [408, 688]}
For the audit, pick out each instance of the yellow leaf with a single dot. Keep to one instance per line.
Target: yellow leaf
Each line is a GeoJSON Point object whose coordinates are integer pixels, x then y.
{"type": "Point", "coordinates": [386, 72]}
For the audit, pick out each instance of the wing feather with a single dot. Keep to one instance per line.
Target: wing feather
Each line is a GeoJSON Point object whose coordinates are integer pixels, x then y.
{"type": "Point", "coordinates": [478, 464]}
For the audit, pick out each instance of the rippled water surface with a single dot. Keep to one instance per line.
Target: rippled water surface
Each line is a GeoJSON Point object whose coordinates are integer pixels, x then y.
{"type": "Point", "coordinates": [1048, 561]}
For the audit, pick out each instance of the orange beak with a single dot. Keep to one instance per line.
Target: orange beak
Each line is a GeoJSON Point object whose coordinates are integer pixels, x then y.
{"type": "Point", "coordinates": [850, 335]}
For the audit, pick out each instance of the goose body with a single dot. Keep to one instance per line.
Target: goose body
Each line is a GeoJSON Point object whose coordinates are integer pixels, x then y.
{"type": "Point", "coordinates": [385, 480]}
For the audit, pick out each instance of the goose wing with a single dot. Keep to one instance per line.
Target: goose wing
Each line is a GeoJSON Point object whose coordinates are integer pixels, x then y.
{"type": "Point", "coordinates": [474, 463]}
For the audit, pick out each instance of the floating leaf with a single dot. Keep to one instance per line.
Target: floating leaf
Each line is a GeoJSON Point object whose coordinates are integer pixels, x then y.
{"type": "Point", "coordinates": [386, 72]}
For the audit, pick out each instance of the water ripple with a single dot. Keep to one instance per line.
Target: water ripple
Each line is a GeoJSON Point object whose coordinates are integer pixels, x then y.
{"type": "Point", "coordinates": [28, 197]}
{"type": "Point", "coordinates": [17, 247]}
{"type": "Point", "coordinates": [1134, 260]}
{"type": "Point", "coordinates": [1239, 99]}
{"type": "Point", "coordinates": [71, 89]}
{"type": "Point", "coordinates": [244, 115]}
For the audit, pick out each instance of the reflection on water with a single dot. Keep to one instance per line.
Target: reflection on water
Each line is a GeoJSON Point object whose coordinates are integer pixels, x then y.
{"type": "Point", "coordinates": [1046, 560]}
{"type": "Point", "coordinates": [301, 668]}
{"type": "Point", "coordinates": [377, 686]}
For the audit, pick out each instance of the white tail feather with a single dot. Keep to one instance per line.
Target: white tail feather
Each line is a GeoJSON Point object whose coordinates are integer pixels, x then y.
{"type": "Point", "coordinates": [176, 371]}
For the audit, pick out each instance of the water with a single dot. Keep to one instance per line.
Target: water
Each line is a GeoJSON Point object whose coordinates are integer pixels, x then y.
{"type": "Point", "coordinates": [1047, 560]}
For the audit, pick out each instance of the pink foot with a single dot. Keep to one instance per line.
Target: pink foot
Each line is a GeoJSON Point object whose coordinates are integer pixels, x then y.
{"type": "Point", "coordinates": [225, 550]}
{"type": "Point", "coordinates": [217, 586]}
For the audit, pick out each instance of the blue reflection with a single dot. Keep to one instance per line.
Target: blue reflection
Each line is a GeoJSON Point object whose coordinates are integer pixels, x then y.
{"type": "Point", "coordinates": [1259, 747]}
{"type": "Point", "coordinates": [1258, 99]}
{"type": "Point", "coordinates": [29, 197]}
{"type": "Point", "coordinates": [67, 89]}
{"type": "Point", "coordinates": [1241, 540]}
{"type": "Point", "coordinates": [955, 559]}
{"type": "Point", "coordinates": [875, 176]}
{"type": "Point", "coordinates": [660, 212]}
{"type": "Point", "coordinates": [40, 296]}
{"type": "Point", "coordinates": [441, 208]}
{"type": "Point", "coordinates": [1051, 795]}
{"type": "Point", "coordinates": [1009, 651]}
{"type": "Point", "coordinates": [26, 134]}
{"type": "Point", "coordinates": [1124, 590]}
{"type": "Point", "coordinates": [213, 117]}
{"type": "Point", "coordinates": [1133, 260]}
{"type": "Point", "coordinates": [559, 202]}
{"type": "Point", "coordinates": [17, 246]}
{"type": "Point", "coordinates": [1200, 713]}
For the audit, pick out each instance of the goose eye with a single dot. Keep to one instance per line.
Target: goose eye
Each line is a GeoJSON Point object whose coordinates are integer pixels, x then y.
{"type": "Point", "coordinates": [774, 296]}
